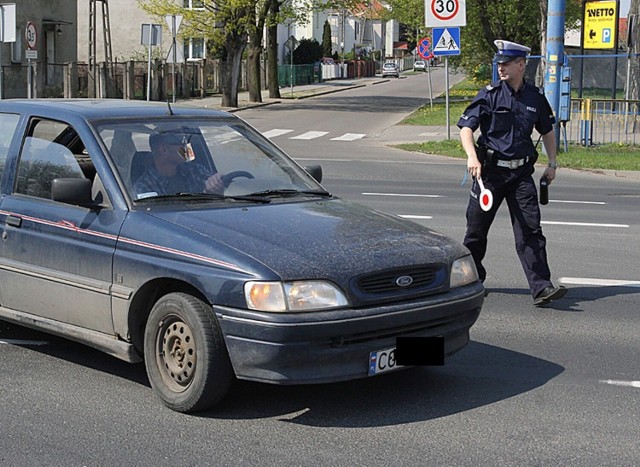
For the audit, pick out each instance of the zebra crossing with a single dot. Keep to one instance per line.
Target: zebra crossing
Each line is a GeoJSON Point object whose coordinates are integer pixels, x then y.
{"type": "Point", "coordinates": [309, 135]}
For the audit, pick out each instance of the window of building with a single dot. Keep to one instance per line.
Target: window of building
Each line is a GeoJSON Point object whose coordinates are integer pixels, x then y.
{"type": "Point", "coordinates": [193, 4]}
{"type": "Point", "coordinates": [194, 49]}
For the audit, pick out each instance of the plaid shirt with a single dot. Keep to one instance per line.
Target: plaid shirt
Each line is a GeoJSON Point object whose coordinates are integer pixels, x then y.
{"type": "Point", "coordinates": [190, 178]}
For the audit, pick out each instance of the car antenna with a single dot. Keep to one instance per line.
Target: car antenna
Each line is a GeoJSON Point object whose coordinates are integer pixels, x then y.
{"type": "Point", "coordinates": [170, 109]}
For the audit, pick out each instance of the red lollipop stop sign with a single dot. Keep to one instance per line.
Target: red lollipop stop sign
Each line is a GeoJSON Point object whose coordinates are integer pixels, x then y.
{"type": "Point", "coordinates": [486, 197]}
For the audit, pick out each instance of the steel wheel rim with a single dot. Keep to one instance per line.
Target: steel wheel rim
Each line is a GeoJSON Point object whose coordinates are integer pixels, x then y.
{"type": "Point", "coordinates": [176, 353]}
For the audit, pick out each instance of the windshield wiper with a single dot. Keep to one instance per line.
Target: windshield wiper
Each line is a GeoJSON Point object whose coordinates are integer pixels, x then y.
{"type": "Point", "coordinates": [207, 197]}
{"type": "Point", "coordinates": [289, 192]}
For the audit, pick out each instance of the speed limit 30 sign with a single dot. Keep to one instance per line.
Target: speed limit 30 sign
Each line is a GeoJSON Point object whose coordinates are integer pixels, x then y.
{"type": "Point", "coordinates": [444, 13]}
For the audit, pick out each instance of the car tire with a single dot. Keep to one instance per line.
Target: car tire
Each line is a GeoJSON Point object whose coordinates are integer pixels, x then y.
{"type": "Point", "coordinates": [185, 356]}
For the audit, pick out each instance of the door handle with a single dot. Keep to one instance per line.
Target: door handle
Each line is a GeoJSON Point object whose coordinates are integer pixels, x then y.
{"type": "Point", "coordinates": [14, 221]}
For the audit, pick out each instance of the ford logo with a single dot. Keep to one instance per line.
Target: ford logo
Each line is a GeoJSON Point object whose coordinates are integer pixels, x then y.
{"type": "Point", "coordinates": [404, 281]}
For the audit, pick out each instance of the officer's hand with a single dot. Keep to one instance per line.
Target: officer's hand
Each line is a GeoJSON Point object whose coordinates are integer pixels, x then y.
{"type": "Point", "coordinates": [214, 184]}
{"type": "Point", "coordinates": [550, 173]}
{"type": "Point", "coordinates": [474, 167]}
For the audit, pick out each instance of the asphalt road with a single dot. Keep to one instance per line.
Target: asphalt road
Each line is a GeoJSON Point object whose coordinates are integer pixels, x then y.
{"type": "Point", "coordinates": [553, 386]}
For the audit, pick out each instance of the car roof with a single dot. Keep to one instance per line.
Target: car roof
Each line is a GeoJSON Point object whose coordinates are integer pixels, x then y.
{"type": "Point", "coordinates": [105, 108]}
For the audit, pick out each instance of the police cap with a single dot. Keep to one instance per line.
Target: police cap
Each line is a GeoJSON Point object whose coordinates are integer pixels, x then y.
{"type": "Point", "coordinates": [508, 51]}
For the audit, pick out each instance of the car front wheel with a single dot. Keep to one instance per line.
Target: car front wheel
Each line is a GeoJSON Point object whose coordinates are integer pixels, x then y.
{"type": "Point", "coordinates": [185, 356]}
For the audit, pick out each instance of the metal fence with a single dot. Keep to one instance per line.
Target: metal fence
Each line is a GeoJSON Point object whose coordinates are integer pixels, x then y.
{"type": "Point", "coordinates": [599, 112]}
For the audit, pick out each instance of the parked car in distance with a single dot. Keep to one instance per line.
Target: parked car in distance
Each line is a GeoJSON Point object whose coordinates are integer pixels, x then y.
{"type": "Point", "coordinates": [419, 65]}
{"type": "Point", "coordinates": [184, 238]}
{"type": "Point", "coordinates": [390, 69]}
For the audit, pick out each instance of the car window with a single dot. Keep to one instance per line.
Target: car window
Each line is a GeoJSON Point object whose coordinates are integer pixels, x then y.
{"type": "Point", "coordinates": [52, 150]}
{"type": "Point", "coordinates": [204, 148]}
{"type": "Point", "coordinates": [8, 124]}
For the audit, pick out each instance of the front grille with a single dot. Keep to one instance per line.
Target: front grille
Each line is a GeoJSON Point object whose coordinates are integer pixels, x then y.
{"type": "Point", "coordinates": [391, 281]}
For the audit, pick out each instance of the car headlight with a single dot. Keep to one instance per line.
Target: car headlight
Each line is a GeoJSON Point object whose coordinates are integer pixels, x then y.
{"type": "Point", "coordinates": [293, 296]}
{"type": "Point", "coordinates": [463, 272]}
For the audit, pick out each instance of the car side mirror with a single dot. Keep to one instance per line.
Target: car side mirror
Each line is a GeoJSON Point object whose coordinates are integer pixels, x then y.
{"type": "Point", "coordinates": [72, 191]}
{"type": "Point", "coordinates": [315, 171]}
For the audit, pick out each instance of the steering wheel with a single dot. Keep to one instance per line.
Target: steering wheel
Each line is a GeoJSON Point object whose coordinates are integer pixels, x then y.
{"type": "Point", "coordinates": [227, 179]}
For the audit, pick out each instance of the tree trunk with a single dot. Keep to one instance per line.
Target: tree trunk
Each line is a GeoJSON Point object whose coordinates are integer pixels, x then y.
{"type": "Point", "coordinates": [254, 82]}
{"type": "Point", "coordinates": [231, 69]}
{"type": "Point", "coordinates": [272, 62]}
{"type": "Point", "coordinates": [634, 63]}
{"type": "Point", "coordinates": [272, 51]}
{"type": "Point", "coordinates": [544, 11]}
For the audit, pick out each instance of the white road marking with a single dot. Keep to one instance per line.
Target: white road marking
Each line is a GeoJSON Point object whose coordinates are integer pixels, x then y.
{"type": "Point", "coordinates": [575, 202]}
{"type": "Point", "coordinates": [22, 342]}
{"type": "Point", "coordinates": [413, 216]}
{"type": "Point", "coordinates": [275, 132]}
{"type": "Point", "coordinates": [599, 282]}
{"type": "Point", "coordinates": [403, 194]}
{"type": "Point", "coordinates": [433, 162]}
{"type": "Point", "coordinates": [586, 224]}
{"type": "Point", "coordinates": [310, 135]}
{"type": "Point", "coordinates": [349, 137]}
{"type": "Point", "coordinates": [616, 382]}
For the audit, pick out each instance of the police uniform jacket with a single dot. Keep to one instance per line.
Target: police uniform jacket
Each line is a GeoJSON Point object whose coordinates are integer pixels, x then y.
{"type": "Point", "coordinates": [506, 118]}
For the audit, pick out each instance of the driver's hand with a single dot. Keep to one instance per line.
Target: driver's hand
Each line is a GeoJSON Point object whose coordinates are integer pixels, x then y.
{"type": "Point", "coordinates": [214, 184]}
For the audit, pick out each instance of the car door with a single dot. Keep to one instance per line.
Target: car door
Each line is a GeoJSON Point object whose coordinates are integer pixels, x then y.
{"type": "Point", "coordinates": [56, 258]}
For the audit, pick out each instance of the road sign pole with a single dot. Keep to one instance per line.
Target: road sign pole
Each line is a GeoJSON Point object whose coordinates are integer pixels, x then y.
{"type": "Point", "coordinates": [430, 87]}
{"type": "Point", "coordinates": [149, 63]}
{"type": "Point", "coordinates": [175, 57]}
{"type": "Point", "coordinates": [446, 98]}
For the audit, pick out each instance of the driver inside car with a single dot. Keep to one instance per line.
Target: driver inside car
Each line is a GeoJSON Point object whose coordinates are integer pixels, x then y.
{"type": "Point", "coordinates": [172, 170]}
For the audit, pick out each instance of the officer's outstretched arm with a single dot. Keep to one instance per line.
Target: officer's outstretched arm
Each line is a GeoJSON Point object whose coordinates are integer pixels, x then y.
{"type": "Point", "coordinates": [474, 167]}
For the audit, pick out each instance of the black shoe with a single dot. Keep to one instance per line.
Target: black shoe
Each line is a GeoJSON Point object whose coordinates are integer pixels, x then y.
{"type": "Point", "coordinates": [549, 294]}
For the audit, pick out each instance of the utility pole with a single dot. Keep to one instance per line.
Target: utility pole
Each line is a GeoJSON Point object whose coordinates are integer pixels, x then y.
{"type": "Point", "coordinates": [554, 58]}
{"type": "Point", "coordinates": [106, 36]}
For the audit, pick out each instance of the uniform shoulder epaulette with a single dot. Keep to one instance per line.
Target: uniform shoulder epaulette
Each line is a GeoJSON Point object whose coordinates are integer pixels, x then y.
{"type": "Point", "coordinates": [492, 86]}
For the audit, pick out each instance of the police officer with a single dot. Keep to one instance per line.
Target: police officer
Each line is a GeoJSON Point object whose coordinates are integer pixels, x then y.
{"type": "Point", "coordinates": [506, 112]}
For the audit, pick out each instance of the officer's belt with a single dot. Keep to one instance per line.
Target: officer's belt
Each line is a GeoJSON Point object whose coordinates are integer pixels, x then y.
{"type": "Point", "coordinates": [512, 163]}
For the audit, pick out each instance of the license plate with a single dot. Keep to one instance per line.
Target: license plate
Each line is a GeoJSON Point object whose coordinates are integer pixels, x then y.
{"type": "Point", "coordinates": [411, 351]}
{"type": "Point", "coordinates": [382, 361]}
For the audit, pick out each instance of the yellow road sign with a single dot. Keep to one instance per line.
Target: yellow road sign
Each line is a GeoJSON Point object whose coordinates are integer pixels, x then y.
{"type": "Point", "coordinates": [600, 25]}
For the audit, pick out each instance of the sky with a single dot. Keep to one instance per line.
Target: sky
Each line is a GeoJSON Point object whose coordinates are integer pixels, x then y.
{"type": "Point", "coordinates": [624, 8]}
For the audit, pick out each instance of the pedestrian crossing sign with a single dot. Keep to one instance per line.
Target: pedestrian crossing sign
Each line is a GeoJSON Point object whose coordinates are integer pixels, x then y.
{"type": "Point", "coordinates": [446, 41]}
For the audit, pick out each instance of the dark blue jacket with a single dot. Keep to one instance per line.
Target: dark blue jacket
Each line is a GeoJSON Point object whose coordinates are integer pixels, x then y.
{"type": "Point", "coordinates": [506, 118]}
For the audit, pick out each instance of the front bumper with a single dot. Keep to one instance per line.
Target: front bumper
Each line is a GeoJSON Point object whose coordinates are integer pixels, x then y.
{"type": "Point", "coordinates": [321, 347]}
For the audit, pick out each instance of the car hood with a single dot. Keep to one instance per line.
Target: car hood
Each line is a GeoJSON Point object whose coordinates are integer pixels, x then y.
{"type": "Point", "coordinates": [314, 239]}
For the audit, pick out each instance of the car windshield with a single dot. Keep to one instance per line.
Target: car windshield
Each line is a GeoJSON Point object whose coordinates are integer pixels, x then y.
{"type": "Point", "coordinates": [172, 158]}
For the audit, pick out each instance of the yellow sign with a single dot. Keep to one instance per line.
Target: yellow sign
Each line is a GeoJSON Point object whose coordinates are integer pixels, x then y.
{"type": "Point", "coordinates": [600, 25]}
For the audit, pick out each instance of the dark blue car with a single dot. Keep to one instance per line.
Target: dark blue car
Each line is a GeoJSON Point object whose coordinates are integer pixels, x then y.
{"type": "Point", "coordinates": [184, 238]}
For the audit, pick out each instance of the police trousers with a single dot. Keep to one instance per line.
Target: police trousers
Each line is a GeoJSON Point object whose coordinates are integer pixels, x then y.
{"type": "Point", "coordinates": [517, 187]}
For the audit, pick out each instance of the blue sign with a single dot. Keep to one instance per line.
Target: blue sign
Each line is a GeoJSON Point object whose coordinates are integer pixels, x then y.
{"type": "Point", "coordinates": [424, 48]}
{"type": "Point", "coordinates": [446, 41]}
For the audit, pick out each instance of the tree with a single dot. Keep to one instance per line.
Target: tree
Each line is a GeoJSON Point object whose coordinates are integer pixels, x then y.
{"type": "Point", "coordinates": [327, 47]}
{"type": "Point", "coordinates": [223, 25]}
{"type": "Point", "coordinates": [524, 22]}
{"type": "Point", "coordinates": [409, 13]}
{"type": "Point", "coordinates": [308, 51]}
{"type": "Point", "coordinates": [634, 84]}
{"type": "Point", "coordinates": [272, 50]}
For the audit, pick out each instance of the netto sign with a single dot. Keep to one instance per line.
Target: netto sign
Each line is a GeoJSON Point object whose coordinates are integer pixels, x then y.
{"type": "Point", "coordinates": [600, 25]}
